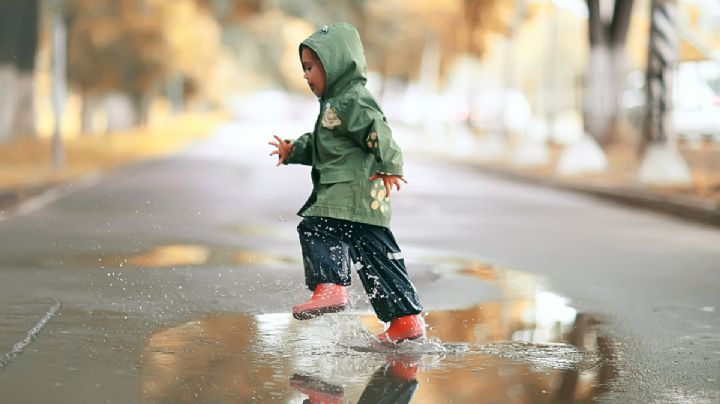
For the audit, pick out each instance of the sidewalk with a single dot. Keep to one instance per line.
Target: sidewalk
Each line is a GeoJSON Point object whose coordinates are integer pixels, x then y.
{"type": "Point", "coordinates": [699, 202]}
{"type": "Point", "coordinates": [26, 164]}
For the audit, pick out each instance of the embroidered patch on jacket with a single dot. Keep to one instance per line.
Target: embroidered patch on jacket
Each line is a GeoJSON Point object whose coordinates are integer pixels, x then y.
{"type": "Point", "coordinates": [372, 141]}
{"type": "Point", "coordinates": [330, 118]}
{"type": "Point", "coordinates": [379, 199]}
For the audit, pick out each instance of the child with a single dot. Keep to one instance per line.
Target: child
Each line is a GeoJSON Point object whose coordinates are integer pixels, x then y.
{"type": "Point", "coordinates": [355, 163]}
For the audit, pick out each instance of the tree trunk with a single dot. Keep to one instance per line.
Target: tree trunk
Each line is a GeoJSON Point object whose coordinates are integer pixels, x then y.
{"type": "Point", "coordinates": [175, 92]}
{"type": "Point", "coordinates": [86, 126]}
{"type": "Point", "coordinates": [24, 123]}
{"type": "Point", "coordinates": [606, 69]}
{"type": "Point", "coordinates": [59, 80]}
{"type": "Point", "coordinates": [662, 56]}
{"type": "Point", "coordinates": [509, 63]}
{"type": "Point", "coordinates": [601, 97]}
{"type": "Point", "coordinates": [8, 83]}
{"type": "Point", "coordinates": [662, 164]}
{"type": "Point", "coordinates": [18, 44]}
{"type": "Point", "coordinates": [121, 112]}
{"type": "Point", "coordinates": [91, 105]}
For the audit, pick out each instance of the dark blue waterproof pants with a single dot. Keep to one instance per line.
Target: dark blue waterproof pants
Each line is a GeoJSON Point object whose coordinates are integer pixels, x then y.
{"type": "Point", "coordinates": [331, 247]}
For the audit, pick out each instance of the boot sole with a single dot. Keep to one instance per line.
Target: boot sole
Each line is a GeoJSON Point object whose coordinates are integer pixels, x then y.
{"type": "Point", "coordinates": [308, 314]}
{"type": "Point", "coordinates": [387, 340]}
{"type": "Point", "coordinates": [410, 338]}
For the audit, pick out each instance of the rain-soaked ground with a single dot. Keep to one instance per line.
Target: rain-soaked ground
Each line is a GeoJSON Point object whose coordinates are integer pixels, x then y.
{"type": "Point", "coordinates": [173, 281]}
{"type": "Point", "coordinates": [526, 344]}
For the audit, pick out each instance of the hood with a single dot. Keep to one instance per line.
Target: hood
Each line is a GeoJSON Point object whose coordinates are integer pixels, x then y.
{"type": "Point", "coordinates": [341, 53]}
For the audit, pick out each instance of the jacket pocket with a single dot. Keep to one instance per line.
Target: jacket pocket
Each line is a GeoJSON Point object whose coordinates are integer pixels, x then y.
{"type": "Point", "coordinates": [337, 189]}
{"type": "Point", "coordinates": [332, 177]}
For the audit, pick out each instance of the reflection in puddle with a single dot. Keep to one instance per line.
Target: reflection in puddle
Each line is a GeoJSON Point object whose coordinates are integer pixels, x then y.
{"type": "Point", "coordinates": [177, 255]}
{"type": "Point", "coordinates": [258, 358]}
{"type": "Point", "coordinates": [530, 346]}
{"type": "Point", "coordinates": [171, 255]}
{"type": "Point", "coordinates": [393, 382]}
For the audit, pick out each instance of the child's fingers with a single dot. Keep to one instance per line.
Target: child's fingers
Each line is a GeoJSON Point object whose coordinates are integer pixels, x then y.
{"type": "Point", "coordinates": [278, 139]}
{"type": "Point", "coordinates": [374, 177]}
{"type": "Point", "coordinates": [403, 179]}
{"type": "Point", "coordinates": [388, 186]}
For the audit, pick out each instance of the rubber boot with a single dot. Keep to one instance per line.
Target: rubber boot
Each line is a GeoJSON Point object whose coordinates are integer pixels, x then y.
{"type": "Point", "coordinates": [403, 328]}
{"type": "Point", "coordinates": [327, 298]}
{"type": "Point", "coordinates": [318, 391]}
{"type": "Point", "coordinates": [404, 368]}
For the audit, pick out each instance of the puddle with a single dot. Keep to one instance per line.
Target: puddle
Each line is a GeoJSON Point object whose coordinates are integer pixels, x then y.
{"type": "Point", "coordinates": [528, 346]}
{"type": "Point", "coordinates": [272, 357]}
{"type": "Point", "coordinates": [170, 255]}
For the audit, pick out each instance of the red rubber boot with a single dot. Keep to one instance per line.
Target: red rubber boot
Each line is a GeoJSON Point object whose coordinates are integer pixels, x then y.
{"type": "Point", "coordinates": [327, 298]}
{"type": "Point", "coordinates": [403, 328]}
{"type": "Point", "coordinates": [318, 391]}
{"type": "Point", "coordinates": [404, 368]}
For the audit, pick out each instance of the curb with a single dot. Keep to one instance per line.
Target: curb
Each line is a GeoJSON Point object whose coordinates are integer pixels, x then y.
{"type": "Point", "coordinates": [20, 201]}
{"type": "Point", "coordinates": [695, 209]}
{"type": "Point", "coordinates": [11, 198]}
{"type": "Point", "coordinates": [687, 207]}
{"type": "Point", "coordinates": [23, 200]}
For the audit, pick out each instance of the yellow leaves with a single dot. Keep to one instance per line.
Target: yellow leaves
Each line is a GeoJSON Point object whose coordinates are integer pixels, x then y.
{"type": "Point", "coordinates": [293, 32]}
{"type": "Point", "coordinates": [192, 35]}
{"type": "Point", "coordinates": [27, 162]}
{"type": "Point", "coordinates": [105, 31]}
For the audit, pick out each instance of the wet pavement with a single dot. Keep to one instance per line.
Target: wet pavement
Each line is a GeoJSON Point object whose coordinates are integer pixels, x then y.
{"type": "Point", "coordinates": [526, 345]}
{"type": "Point", "coordinates": [171, 281]}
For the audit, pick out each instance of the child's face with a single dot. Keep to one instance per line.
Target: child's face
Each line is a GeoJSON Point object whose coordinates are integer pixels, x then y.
{"type": "Point", "coordinates": [314, 72]}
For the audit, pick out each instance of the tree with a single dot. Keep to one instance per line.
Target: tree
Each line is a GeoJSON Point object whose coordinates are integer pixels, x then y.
{"type": "Point", "coordinates": [59, 77]}
{"type": "Point", "coordinates": [18, 43]}
{"type": "Point", "coordinates": [662, 164]}
{"type": "Point", "coordinates": [607, 28]}
{"type": "Point", "coordinates": [116, 47]}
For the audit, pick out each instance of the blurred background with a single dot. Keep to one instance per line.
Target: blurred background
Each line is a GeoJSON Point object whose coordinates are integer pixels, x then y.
{"type": "Point", "coordinates": [596, 90]}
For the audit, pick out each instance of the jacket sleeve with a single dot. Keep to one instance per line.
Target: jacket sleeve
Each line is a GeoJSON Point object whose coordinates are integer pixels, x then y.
{"type": "Point", "coordinates": [302, 150]}
{"type": "Point", "coordinates": [368, 127]}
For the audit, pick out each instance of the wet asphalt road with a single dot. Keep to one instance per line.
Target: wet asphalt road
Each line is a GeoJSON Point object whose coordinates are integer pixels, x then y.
{"type": "Point", "coordinates": [174, 279]}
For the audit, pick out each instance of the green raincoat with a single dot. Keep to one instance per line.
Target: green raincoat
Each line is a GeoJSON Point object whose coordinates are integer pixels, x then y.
{"type": "Point", "coordinates": [351, 140]}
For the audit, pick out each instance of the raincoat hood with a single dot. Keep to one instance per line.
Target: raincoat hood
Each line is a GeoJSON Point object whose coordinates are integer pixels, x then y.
{"type": "Point", "coordinates": [341, 53]}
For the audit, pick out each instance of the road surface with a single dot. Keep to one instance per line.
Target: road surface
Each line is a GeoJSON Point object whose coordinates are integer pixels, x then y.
{"type": "Point", "coordinates": [172, 280]}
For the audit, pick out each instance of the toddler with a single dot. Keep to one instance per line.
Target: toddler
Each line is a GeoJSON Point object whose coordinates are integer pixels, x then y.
{"type": "Point", "coordinates": [355, 165]}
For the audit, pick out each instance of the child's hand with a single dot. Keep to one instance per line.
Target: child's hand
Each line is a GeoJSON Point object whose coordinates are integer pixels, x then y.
{"type": "Point", "coordinates": [389, 181]}
{"type": "Point", "coordinates": [283, 149]}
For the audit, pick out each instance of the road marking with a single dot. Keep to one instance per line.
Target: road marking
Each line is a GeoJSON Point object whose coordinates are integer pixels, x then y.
{"type": "Point", "coordinates": [51, 195]}
{"type": "Point", "coordinates": [32, 334]}
{"type": "Point", "coordinates": [70, 187]}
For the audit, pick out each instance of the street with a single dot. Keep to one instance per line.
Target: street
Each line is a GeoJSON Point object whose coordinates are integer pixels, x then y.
{"type": "Point", "coordinates": [172, 281]}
